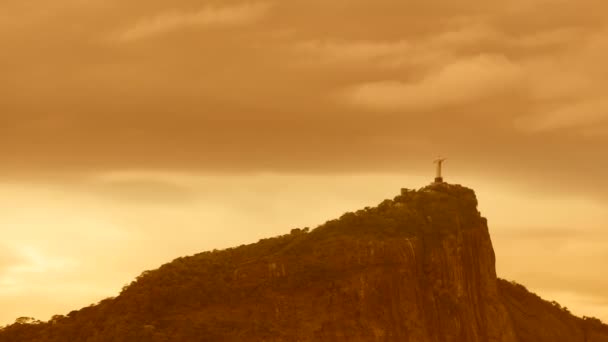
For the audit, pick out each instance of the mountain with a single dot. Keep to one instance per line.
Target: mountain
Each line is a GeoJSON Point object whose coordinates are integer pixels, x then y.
{"type": "Point", "coordinates": [417, 268]}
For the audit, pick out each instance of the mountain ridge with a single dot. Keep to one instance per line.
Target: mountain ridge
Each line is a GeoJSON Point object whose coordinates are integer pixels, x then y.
{"type": "Point", "coordinates": [419, 267]}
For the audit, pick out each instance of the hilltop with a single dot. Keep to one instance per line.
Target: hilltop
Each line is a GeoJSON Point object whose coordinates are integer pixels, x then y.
{"type": "Point", "coordinates": [419, 267]}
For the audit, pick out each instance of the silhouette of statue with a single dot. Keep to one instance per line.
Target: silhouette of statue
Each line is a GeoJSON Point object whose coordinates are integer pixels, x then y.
{"type": "Point", "coordinates": [438, 177]}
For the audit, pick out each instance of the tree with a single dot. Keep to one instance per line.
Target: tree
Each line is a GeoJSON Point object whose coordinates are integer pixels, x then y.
{"type": "Point", "coordinates": [26, 320]}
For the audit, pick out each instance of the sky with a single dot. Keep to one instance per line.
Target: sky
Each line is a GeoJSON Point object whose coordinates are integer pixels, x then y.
{"type": "Point", "coordinates": [135, 132]}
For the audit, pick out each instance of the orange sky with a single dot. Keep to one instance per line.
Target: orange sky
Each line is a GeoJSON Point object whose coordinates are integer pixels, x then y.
{"type": "Point", "coordinates": [133, 132]}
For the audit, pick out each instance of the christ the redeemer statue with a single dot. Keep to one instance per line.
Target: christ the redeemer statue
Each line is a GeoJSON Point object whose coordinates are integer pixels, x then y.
{"type": "Point", "coordinates": [438, 177]}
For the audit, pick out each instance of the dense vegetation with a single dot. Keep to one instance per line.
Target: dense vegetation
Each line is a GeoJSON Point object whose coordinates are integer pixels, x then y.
{"type": "Point", "coordinates": [551, 320]}
{"type": "Point", "coordinates": [197, 298]}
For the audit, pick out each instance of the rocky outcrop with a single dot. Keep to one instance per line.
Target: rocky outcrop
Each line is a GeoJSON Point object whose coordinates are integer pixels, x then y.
{"type": "Point", "coordinates": [416, 268]}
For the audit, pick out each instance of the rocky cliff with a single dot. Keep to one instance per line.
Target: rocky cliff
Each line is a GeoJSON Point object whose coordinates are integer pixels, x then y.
{"type": "Point", "coordinates": [417, 268]}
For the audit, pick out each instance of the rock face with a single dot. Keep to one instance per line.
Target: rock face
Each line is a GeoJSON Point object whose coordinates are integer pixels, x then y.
{"type": "Point", "coordinates": [417, 268]}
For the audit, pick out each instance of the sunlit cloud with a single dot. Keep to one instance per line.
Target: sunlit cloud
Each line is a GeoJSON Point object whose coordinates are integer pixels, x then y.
{"type": "Point", "coordinates": [578, 115]}
{"type": "Point", "coordinates": [458, 83]}
{"type": "Point", "coordinates": [412, 52]}
{"type": "Point", "coordinates": [37, 262]}
{"type": "Point", "coordinates": [552, 38]}
{"type": "Point", "coordinates": [336, 53]}
{"type": "Point", "coordinates": [30, 262]}
{"type": "Point", "coordinates": [209, 17]}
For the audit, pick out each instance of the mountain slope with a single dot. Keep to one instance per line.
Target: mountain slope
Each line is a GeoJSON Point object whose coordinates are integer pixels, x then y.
{"type": "Point", "coordinates": [416, 268]}
{"type": "Point", "coordinates": [538, 320]}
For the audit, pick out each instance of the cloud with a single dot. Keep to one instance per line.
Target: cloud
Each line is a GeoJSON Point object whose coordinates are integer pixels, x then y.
{"type": "Point", "coordinates": [595, 132]}
{"type": "Point", "coordinates": [550, 38]}
{"type": "Point", "coordinates": [566, 234]}
{"type": "Point", "coordinates": [34, 261]}
{"type": "Point", "coordinates": [208, 17]}
{"type": "Point", "coordinates": [396, 53]}
{"type": "Point", "coordinates": [458, 83]}
{"type": "Point", "coordinates": [8, 258]}
{"type": "Point", "coordinates": [26, 262]}
{"type": "Point", "coordinates": [558, 83]}
{"type": "Point", "coordinates": [578, 115]}
{"type": "Point", "coordinates": [565, 88]}
{"type": "Point", "coordinates": [146, 190]}
{"type": "Point", "coordinates": [334, 52]}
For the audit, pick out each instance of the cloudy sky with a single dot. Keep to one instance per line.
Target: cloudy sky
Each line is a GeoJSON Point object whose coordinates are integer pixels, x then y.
{"type": "Point", "coordinates": [134, 132]}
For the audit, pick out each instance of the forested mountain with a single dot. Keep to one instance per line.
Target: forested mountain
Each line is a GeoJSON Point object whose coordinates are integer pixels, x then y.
{"type": "Point", "coordinates": [417, 268]}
